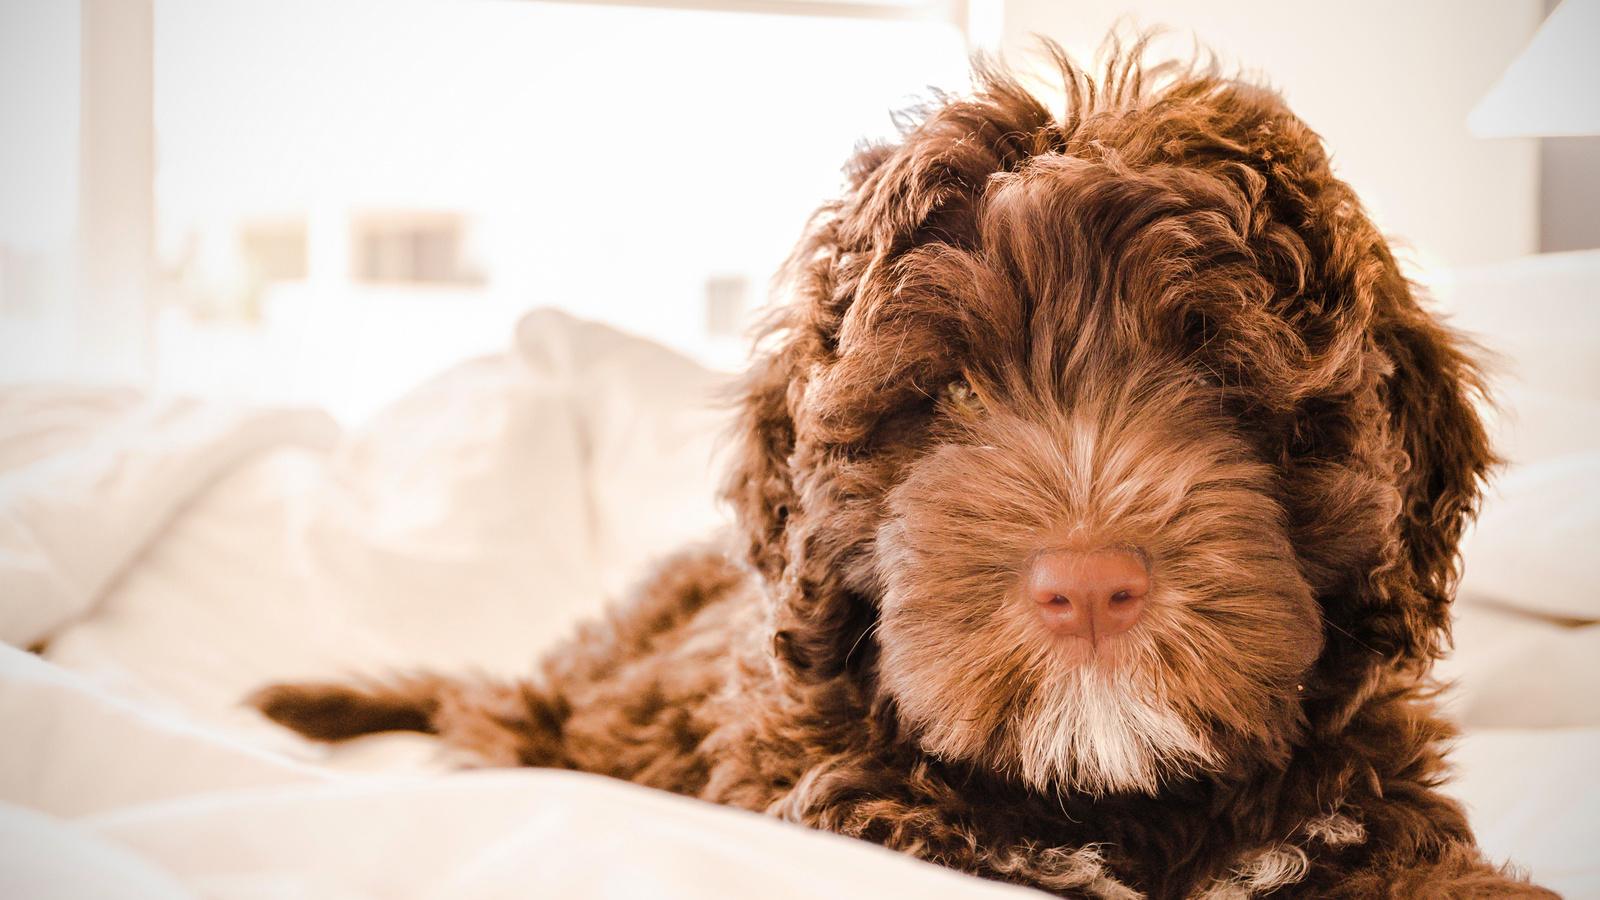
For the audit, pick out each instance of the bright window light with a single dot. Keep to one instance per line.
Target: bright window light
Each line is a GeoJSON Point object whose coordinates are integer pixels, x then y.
{"type": "Point", "coordinates": [353, 194]}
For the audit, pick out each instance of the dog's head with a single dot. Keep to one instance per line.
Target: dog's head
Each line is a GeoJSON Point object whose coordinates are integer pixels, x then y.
{"type": "Point", "coordinates": [1108, 448]}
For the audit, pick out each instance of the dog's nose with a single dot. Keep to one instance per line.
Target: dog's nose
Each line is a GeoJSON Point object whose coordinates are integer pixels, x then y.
{"type": "Point", "coordinates": [1091, 595]}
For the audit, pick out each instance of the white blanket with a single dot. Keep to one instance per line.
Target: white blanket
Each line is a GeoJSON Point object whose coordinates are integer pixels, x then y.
{"type": "Point", "coordinates": [173, 555]}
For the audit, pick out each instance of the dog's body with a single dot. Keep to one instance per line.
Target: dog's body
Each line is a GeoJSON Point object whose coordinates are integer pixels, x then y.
{"type": "Point", "coordinates": [1100, 490]}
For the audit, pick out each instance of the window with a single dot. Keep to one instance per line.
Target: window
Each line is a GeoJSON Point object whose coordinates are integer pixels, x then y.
{"type": "Point", "coordinates": [394, 182]}
{"type": "Point", "coordinates": [412, 248]}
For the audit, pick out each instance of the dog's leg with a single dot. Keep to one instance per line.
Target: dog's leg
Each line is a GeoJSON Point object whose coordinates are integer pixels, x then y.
{"type": "Point", "coordinates": [504, 724]}
{"type": "Point", "coordinates": [338, 712]}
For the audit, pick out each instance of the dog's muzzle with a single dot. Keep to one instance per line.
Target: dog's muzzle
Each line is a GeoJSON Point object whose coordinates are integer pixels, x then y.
{"type": "Point", "coordinates": [1092, 595]}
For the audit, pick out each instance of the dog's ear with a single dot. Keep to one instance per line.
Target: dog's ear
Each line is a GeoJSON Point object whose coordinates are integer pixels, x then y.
{"type": "Point", "coordinates": [1444, 452]}
{"type": "Point", "coordinates": [1427, 380]}
{"type": "Point", "coordinates": [1414, 453]}
{"type": "Point", "coordinates": [815, 620]}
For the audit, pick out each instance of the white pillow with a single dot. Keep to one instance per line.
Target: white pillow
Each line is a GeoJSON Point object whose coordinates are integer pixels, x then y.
{"type": "Point", "coordinates": [1529, 426]}
{"type": "Point", "coordinates": [1512, 670]}
{"type": "Point", "coordinates": [1533, 547]}
{"type": "Point", "coordinates": [1541, 313]}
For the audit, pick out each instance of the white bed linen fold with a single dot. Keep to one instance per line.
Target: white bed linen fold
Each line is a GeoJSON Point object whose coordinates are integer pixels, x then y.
{"type": "Point", "coordinates": [71, 521]}
{"type": "Point", "coordinates": [511, 834]}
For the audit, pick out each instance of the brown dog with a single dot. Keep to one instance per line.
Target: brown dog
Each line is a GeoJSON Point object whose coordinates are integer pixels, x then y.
{"type": "Point", "coordinates": [1100, 487]}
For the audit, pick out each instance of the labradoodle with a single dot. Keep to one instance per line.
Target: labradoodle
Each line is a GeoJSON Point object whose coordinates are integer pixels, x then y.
{"type": "Point", "coordinates": [1099, 487]}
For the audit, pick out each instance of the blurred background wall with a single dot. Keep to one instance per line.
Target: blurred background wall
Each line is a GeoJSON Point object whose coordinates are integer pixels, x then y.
{"type": "Point", "coordinates": [1387, 84]}
{"type": "Point", "coordinates": [323, 201]}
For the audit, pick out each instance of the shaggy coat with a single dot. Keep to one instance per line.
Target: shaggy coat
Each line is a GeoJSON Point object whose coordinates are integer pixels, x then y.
{"type": "Point", "coordinates": [1154, 337]}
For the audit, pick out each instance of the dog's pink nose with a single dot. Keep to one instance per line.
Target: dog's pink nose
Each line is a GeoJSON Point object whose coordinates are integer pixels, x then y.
{"type": "Point", "coordinates": [1089, 595]}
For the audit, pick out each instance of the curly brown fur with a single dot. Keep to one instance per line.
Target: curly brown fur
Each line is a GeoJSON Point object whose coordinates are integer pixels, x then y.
{"type": "Point", "coordinates": [1155, 326]}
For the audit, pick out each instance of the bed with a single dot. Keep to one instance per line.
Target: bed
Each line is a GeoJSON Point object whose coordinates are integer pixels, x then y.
{"type": "Point", "coordinates": [162, 557]}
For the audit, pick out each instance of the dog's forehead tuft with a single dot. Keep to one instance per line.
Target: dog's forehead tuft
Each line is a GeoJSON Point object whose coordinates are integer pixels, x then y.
{"type": "Point", "coordinates": [1181, 212]}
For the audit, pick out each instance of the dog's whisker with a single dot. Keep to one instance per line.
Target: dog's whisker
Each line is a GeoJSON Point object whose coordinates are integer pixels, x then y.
{"type": "Point", "coordinates": [867, 632]}
{"type": "Point", "coordinates": [1363, 644]}
{"type": "Point", "coordinates": [893, 369]}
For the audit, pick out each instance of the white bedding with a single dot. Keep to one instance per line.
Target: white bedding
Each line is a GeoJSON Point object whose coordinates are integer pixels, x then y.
{"type": "Point", "coordinates": [175, 555]}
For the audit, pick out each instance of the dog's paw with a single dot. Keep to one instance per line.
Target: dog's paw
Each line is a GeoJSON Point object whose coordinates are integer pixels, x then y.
{"type": "Point", "coordinates": [339, 712]}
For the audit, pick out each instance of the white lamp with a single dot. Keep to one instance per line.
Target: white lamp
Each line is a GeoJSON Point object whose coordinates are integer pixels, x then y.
{"type": "Point", "coordinates": [1553, 88]}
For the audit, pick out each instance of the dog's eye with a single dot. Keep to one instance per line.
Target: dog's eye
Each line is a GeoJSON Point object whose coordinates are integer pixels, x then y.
{"type": "Point", "coordinates": [961, 397]}
{"type": "Point", "coordinates": [1207, 380]}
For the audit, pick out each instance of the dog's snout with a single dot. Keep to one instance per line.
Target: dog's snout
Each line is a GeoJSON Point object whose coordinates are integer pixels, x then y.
{"type": "Point", "coordinates": [1091, 595]}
